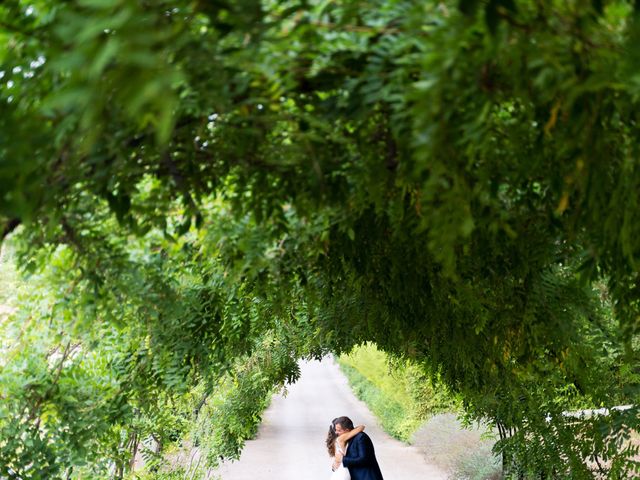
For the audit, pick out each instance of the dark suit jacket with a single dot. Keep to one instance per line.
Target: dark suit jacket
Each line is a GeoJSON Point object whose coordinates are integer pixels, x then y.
{"type": "Point", "coordinates": [361, 459]}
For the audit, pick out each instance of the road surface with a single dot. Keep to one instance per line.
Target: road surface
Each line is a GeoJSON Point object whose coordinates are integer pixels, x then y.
{"type": "Point", "coordinates": [290, 441]}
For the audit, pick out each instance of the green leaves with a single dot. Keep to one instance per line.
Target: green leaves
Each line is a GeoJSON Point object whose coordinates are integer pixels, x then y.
{"type": "Point", "coordinates": [113, 56]}
{"type": "Point", "coordinates": [495, 11]}
{"type": "Point", "coordinates": [468, 7]}
{"type": "Point", "coordinates": [196, 180]}
{"type": "Point", "coordinates": [598, 6]}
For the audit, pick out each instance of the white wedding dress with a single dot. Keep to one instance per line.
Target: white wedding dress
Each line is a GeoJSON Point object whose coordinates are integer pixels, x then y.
{"type": "Point", "coordinates": [341, 473]}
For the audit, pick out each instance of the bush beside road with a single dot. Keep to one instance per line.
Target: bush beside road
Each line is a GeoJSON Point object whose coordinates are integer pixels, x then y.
{"type": "Point", "coordinates": [412, 409]}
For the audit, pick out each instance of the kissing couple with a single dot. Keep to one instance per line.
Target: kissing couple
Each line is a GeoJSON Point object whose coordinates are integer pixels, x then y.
{"type": "Point", "coordinates": [353, 454]}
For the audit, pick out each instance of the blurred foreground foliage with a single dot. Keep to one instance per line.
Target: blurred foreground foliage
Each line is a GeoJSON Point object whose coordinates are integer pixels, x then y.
{"type": "Point", "coordinates": [455, 181]}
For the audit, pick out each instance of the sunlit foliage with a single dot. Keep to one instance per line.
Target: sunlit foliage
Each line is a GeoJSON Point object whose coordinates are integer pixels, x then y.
{"type": "Point", "coordinates": [454, 181]}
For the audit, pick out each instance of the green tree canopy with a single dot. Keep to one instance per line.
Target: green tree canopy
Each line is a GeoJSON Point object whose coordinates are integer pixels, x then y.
{"type": "Point", "coordinates": [454, 181]}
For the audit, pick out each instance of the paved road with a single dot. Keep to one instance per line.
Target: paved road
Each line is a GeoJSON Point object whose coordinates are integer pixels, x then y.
{"type": "Point", "coordinates": [290, 441]}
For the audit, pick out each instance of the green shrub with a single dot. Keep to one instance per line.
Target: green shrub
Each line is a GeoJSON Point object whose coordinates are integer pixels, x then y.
{"type": "Point", "coordinates": [462, 451]}
{"type": "Point", "coordinates": [398, 393]}
{"type": "Point", "coordinates": [8, 276]}
{"type": "Point", "coordinates": [479, 464]}
{"type": "Point", "coordinates": [392, 415]}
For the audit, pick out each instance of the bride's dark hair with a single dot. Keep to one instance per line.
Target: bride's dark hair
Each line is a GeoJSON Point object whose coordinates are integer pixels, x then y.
{"type": "Point", "coordinates": [332, 435]}
{"type": "Point", "coordinates": [331, 440]}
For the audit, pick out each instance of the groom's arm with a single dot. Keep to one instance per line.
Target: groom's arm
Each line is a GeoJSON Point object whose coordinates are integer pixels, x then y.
{"type": "Point", "coordinates": [363, 453]}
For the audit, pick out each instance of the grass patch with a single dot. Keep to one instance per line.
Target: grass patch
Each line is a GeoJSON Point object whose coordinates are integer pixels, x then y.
{"type": "Point", "coordinates": [401, 397]}
{"type": "Point", "coordinates": [392, 415]}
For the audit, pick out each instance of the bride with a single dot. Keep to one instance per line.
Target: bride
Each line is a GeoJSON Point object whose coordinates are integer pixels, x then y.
{"type": "Point", "coordinates": [337, 446]}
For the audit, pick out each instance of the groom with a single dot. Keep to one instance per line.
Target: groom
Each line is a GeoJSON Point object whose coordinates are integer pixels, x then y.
{"type": "Point", "coordinates": [360, 458]}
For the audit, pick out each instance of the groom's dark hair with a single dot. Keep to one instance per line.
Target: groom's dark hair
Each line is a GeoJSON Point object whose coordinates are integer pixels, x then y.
{"type": "Point", "coordinates": [346, 422]}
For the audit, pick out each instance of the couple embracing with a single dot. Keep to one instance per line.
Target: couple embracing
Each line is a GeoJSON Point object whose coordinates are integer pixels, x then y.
{"type": "Point", "coordinates": [352, 451]}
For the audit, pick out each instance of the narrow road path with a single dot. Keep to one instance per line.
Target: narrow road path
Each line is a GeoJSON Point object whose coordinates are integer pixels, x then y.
{"type": "Point", "coordinates": [290, 441]}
